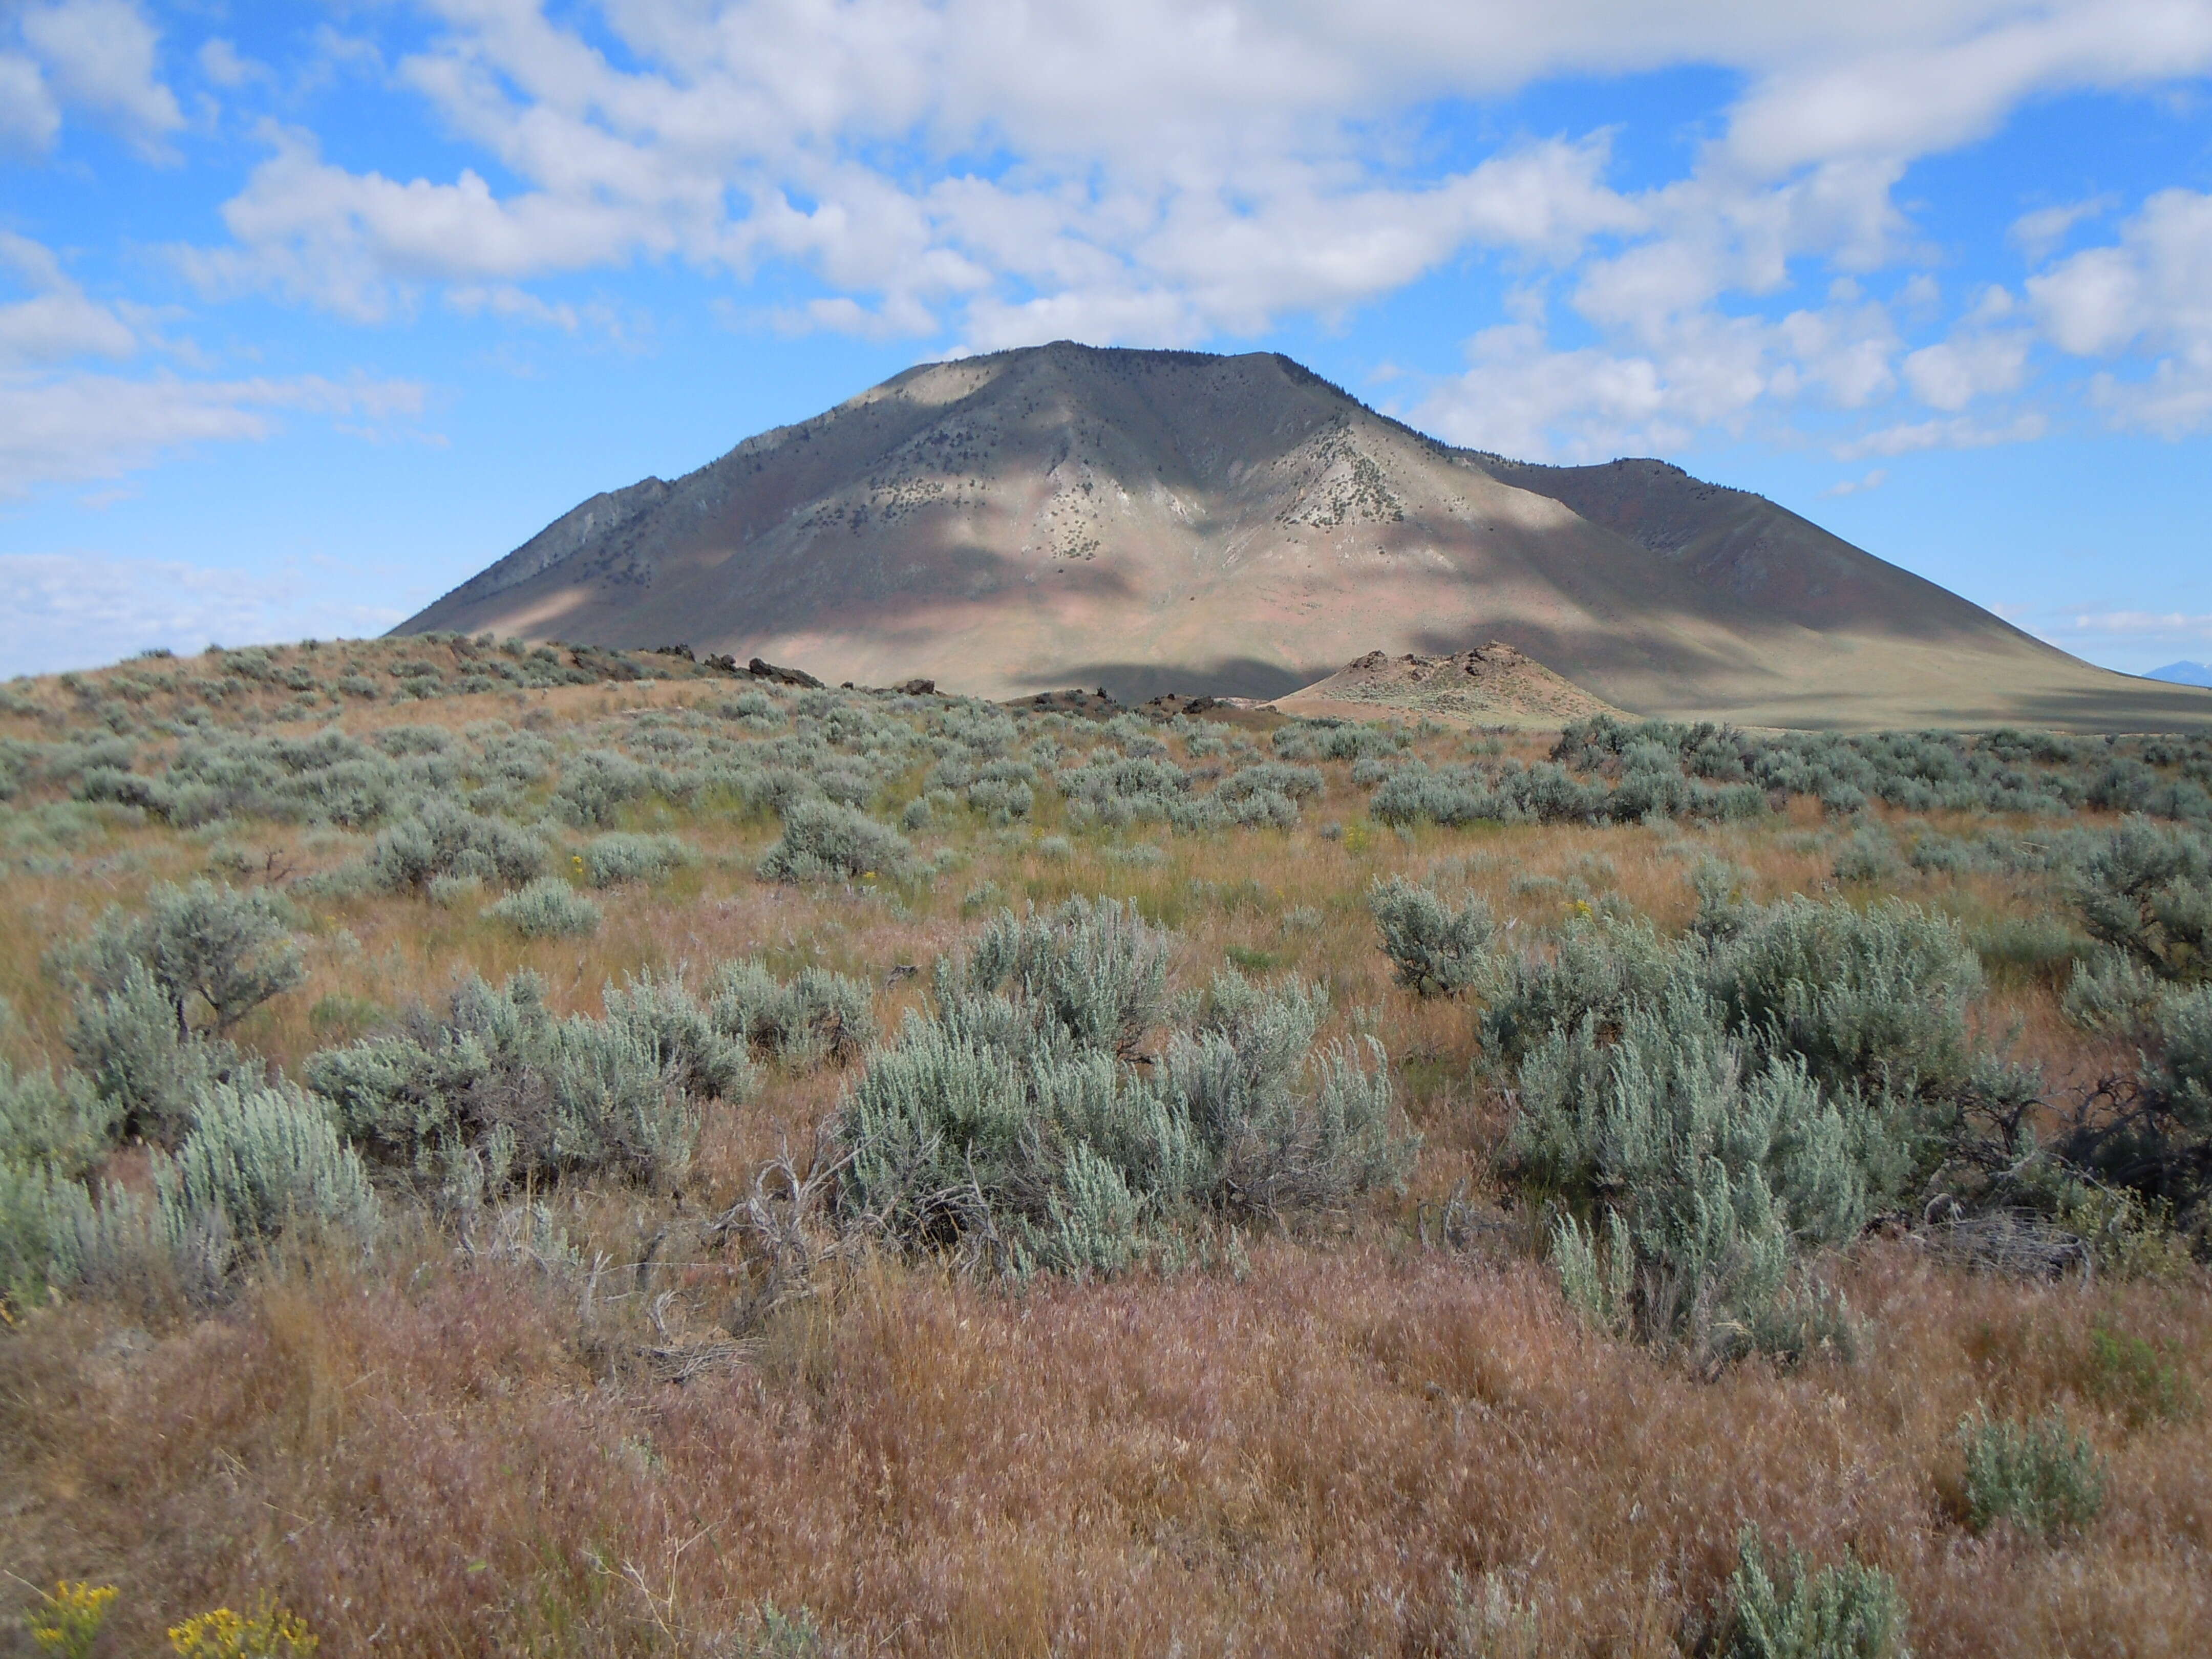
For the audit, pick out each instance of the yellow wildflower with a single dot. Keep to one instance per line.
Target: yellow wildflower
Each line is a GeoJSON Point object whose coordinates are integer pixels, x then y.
{"type": "Point", "coordinates": [272, 1633]}
{"type": "Point", "coordinates": [71, 1617]}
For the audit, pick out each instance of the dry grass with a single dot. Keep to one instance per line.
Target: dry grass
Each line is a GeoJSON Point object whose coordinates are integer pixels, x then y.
{"type": "Point", "coordinates": [425, 1454]}
{"type": "Point", "coordinates": [1292, 1463]}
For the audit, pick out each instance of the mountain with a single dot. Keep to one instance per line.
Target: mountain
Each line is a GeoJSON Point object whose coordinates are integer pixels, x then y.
{"type": "Point", "coordinates": [1154, 521]}
{"type": "Point", "coordinates": [2182, 673]}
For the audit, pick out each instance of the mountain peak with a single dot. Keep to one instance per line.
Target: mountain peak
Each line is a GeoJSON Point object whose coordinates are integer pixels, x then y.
{"type": "Point", "coordinates": [1182, 521]}
{"type": "Point", "coordinates": [2183, 673]}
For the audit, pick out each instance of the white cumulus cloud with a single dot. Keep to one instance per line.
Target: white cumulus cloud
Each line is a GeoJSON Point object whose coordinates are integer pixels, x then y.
{"type": "Point", "coordinates": [63, 420]}
{"type": "Point", "coordinates": [1171, 172]}
{"type": "Point", "coordinates": [100, 56]}
{"type": "Point", "coordinates": [1951, 373]}
{"type": "Point", "coordinates": [2148, 295]}
{"type": "Point", "coordinates": [55, 321]}
{"type": "Point", "coordinates": [78, 610]}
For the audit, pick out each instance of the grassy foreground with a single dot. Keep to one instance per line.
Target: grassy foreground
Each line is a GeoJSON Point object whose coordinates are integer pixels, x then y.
{"type": "Point", "coordinates": [755, 1355]}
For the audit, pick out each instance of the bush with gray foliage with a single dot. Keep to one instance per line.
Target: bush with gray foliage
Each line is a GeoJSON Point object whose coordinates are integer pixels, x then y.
{"type": "Point", "coordinates": [260, 1159]}
{"type": "Point", "coordinates": [213, 954]}
{"type": "Point", "coordinates": [824, 841]}
{"type": "Point", "coordinates": [496, 1089]}
{"type": "Point", "coordinates": [440, 839]}
{"type": "Point", "coordinates": [2042, 1477]}
{"type": "Point", "coordinates": [55, 1234]}
{"type": "Point", "coordinates": [1779, 1608]}
{"type": "Point", "coordinates": [547, 908]}
{"type": "Point", "coordinates": [61, 1124]}
{"type": "Point", "coordinates": [621, 856]}
{"type": "Point", "coordinates": [815, 1015]}
{"type": "Point", "coordinates": [1438, 950]}
{"type": "Point", "coordinates": [151, 1073]}
{"type": "Point", "coordinates": [1020, 1122]}
{"type": "Point", "coordinates": [2148, 891]}
{"type": "Point", "coordinates": [1715, 1109]}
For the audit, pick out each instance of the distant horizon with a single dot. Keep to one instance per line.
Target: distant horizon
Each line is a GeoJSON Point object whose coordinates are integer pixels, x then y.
{"type": "Point", "coordinates": [2182, 673]}
{"type": "Point", "coordinates": [306, 316]}
{"type": "Point", "coordinates": [2162, 674]}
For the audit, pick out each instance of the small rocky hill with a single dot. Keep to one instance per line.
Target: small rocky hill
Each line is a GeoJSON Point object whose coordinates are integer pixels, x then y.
{"type": "Point", "coordinates": [1491, 684]}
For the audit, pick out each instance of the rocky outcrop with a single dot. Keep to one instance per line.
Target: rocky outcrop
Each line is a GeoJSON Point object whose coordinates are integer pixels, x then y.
{"type": "Point", "coordinates": [1490, 684]}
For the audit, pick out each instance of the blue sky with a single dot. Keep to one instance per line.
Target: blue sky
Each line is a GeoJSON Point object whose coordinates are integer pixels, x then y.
{"type": "Point", "coordinates": [308, 312]}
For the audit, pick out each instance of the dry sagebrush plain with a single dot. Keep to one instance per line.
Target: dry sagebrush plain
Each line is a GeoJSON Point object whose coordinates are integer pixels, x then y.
{"type": "Point", "coordinates": [533, 1150]}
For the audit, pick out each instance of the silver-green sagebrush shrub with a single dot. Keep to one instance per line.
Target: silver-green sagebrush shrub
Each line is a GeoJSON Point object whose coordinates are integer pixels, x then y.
{"type": "Point", "coordinates": [1258, 809]}
{"type": "Point", "coordinates": [2180, 1033]}
{"type": "Point", "coordinates": [610, 859]}
{"type": "Point", "coordinates": [1002, 791]}
{"type": "Point", "coordinates": [1869, 855]}
{"type": "Point", "coordinates": [1094, 1217]}
{"type": "Point", "coordinates": [259, 1159]}
{"type": "Point", "coordinates": [1094, 970]}
{"type": "Point", "coordinates": [935, 1130]}
{"type": "Point", "coordinates": [2150, 1149]}
{"type": "Point", "coordinates": [1290, 1125]}
{"type": "Point", "coordinates": [1777, 1609]}
{"type": "Point", "coordinates": [1020, 1124]}
{"type": "Point", "coordinates": [150, 1070]}
{"type": "Point", "coordinates": [454, 893]}
{"type": "Point", "coordinates": [1637, 1118]}
{"type": "Point", "coordinates": [597, 784]}
{"type": "Point", "coordinates": [1876, 997]}
{"type": "Point", "coordinates": [547, 907]}
{"type": "Point", "coordinates": [1723, 1107]}
{"type": "Point", "coordinates": [619, 1102]}
{"type": "Point", "coordinates": [215, 954]}
{"type": "Point", "coordinates": [1436, 949]}
{"type": "Point", "coordinates": [822, 841]}
{"type": "Point", "coordinates": [814, 1017]}
{"type": "Point", "coordinates": [442, 839]}
{"type": "Point", "coordinates": [2015, 949]}
{"type": "Point", "coordinates": [1723, 911]}
{"type": "Point", "coordinates": [1708, 1181]}
{"type": "Point", "coordinates": [55, 1236]}
{"type": "Point", "coordinates": [500, 1090]}
{"type": "Point", "coordinates": [2044, 1477]}
{"type": "Point", "coordinates": [1117, 790]}
{"type": "Point", "coordinates": [41, 1211]}
{"type": "Point", "coordinates": [54, 1232]}
{"type": "Point", "coordinates": [689, 1042]}
{"type": "Point", "coordinates": [1304, 740]}
{"type": "Point", "coordinates": [2148, 891]}
{"type": "Point", "coordinates": [62, 1124]}
{"type": "Point", "coordinates": [1598, 965]}
{"type": "Point", "coordinates": [2111, 990]}
{"type": "Point", "coordinates": [1297, 783]}
{"type": "Point", "coordinates": [1758, 964]}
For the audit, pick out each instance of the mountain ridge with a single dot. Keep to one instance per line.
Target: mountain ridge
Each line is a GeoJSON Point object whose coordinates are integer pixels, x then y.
{"type": "Point", "coordinates": [1180, 522]}
{"type": "Point", "coordinates": [2183, 673]}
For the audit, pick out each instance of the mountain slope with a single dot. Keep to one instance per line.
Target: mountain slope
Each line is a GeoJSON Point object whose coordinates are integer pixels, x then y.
{"type": "Point", "coordinates": [2182, 673]}
{"type": "Point", "coordinates": [1176, 521]}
